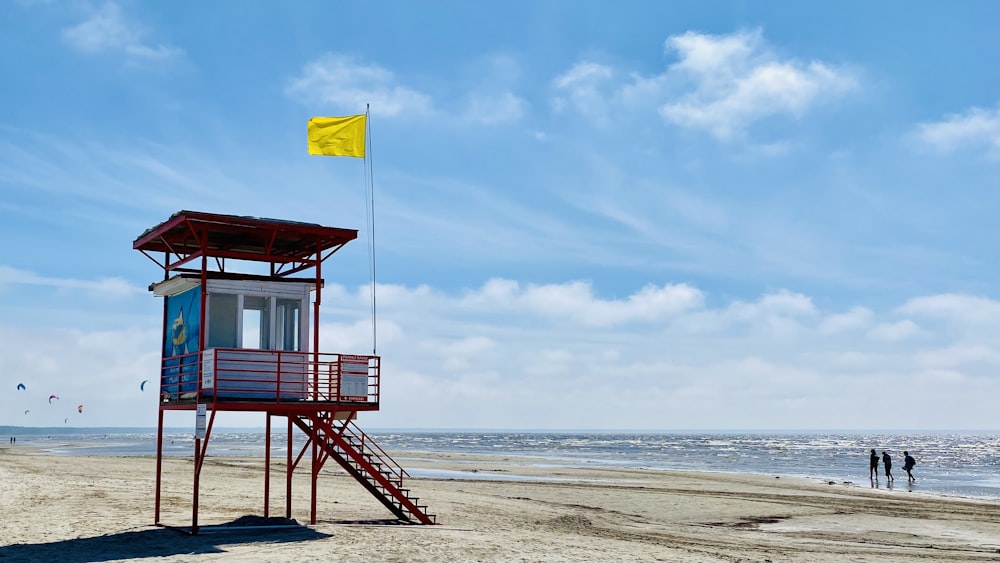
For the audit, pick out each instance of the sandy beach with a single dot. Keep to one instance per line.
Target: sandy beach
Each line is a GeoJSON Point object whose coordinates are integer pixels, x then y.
{"type": "Point", "coordinates": [83, 509]}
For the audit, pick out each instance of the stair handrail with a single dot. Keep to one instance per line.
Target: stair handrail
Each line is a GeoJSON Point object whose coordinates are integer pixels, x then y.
{"type": "Point", "coordinates": [377, 450]}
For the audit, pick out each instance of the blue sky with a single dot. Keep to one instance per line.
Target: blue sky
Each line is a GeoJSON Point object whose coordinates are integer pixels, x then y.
{"type": "Point", "coordinates": [661, 215]}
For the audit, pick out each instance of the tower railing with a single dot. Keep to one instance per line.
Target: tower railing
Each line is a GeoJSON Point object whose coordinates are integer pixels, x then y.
{"type": "Point", "coordinates": [269, 376]}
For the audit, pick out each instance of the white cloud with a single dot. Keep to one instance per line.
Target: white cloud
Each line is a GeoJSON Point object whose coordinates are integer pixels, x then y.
{"type": "Point", "coordinates": [959, 355]}
{"type": "Point", "coordinates": [573, 302]}
{"type": "Point", "coordinates": [576, 302]}
{"type": "Point", "coordinates": [976, 127]}
{"type": "Point", "coordinates": [583, 89]}
{"type": "Point", "coordinates": [715, 56]}
{"type": "Point", "coordinates": [956, 308]}
{"type": "Point", "coordinates": [493, 109]}
{"type": "Point", "coordinates": [105, 288]}
{"type": "Point", "coordinates": [782, 303]}
{"type": "Point", "coordinates": [107, 30]}
{"type": "Point", "coordinates": [100, 370]}
{"type": "Point", "coordinates": [346, 85]}
{"type": "Point", "coordinates": [895, 331]}
{"type": "Point", "coordinates": [513, 355]}
{"type": "Point", "coordinates": [464, 353]}
{"type": "Point", "coordinates": [781, 314]}
{"type": "Point", "coordinates": [736, 81]}
{"type": "Point", "coordinates": [720, 83]}
{"type": "Point", "coordinates": [582, 74]}
{"type": "Point", "coordinates": [789, 303]}
{"type": "Point", "coordinates": [113, 182]}
{"type": "Point", "coordinates": [856, 318]}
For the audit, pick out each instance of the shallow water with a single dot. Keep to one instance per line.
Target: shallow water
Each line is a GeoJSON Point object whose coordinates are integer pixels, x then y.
{"type": "Point", "coordinates": [953, 464]}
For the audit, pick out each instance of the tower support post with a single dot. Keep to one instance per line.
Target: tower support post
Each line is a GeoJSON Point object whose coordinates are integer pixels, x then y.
{"type": "Point", "coordinates": [288, 472]}
{"type": "Point", "coordinates": [159, 466]}
{"type": "Point", "coordinates": [267, 466]}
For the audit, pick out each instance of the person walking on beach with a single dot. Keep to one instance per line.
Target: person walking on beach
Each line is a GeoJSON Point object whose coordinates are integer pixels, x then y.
{"type": "Point", "coordinates": [873, 465]}
{"type": "Point", "coordinates": [908, 463]}
{"type": "Point", "coordinates": [887, 462]}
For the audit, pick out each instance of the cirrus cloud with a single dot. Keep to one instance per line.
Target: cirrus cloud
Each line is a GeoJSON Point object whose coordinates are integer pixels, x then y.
{"type": "Point", "coordinates": [108, 30]}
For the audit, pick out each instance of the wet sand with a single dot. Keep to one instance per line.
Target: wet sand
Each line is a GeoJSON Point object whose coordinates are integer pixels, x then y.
{"type": "Point", "coordinates": [83, 509]}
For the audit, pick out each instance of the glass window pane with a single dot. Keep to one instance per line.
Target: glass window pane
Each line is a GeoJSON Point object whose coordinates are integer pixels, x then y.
{"type": "Point", "coordinates": [256, 322]}
{"type": "Point", "coordinates": [221, 320]}
{"type": "Point", "coordinates": [287, 324]}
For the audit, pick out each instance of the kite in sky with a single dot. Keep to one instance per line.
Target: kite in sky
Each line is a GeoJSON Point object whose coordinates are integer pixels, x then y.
{"type": "Point", "coordinates": [79, 408]}
{"type": "Point", "coordinates": [21, 387]}
{"type": "Point", "coordinates": [142, 386]}
{"type": "Point", "coordinates": [52, 397]}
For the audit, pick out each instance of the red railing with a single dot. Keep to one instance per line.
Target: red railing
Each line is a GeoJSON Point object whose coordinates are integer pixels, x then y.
{"type": "Point", "coordinates": [233, 374]}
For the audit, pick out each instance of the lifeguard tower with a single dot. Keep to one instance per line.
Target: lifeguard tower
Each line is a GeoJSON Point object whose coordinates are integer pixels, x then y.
{"type": "Point", "coordinates": [240, 342]}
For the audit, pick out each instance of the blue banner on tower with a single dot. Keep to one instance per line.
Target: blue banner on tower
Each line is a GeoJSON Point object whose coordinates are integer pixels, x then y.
{"type": "Point", "coordinates": [180, 341]}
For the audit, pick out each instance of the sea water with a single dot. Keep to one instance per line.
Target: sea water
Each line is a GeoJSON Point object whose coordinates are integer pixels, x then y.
{"type": "Point", "coordinates": [963, 464]}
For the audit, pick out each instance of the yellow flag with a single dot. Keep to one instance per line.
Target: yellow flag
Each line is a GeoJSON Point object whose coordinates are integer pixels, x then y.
{"type": "Point", "coordinates": [337, 136]}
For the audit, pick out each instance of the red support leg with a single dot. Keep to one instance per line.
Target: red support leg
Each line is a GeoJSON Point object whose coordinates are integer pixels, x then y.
{"type": "Point", "coordinates": [194, 497]}
{"type": "Point", "coordinates": [315, 476]}
{"type": "Point", "coordinates": [200, 452]}
{"type": "Point", "coordinates": [288, 472]}
{"type": "Point", "coordinates": [159, 467]}
{"type": "Point", "coordinates": [267, 465]}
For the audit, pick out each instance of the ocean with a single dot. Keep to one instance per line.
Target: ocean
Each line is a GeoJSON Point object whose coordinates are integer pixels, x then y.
{"type": "Point", "coordinates": [962, 464]}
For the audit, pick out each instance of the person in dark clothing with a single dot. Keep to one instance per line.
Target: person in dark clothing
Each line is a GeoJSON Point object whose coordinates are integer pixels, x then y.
{"type": "Point", "coordinates": [908, 463]}
{"type": "Point", "coordinates": [887, 462]}
{"type": "Point", "coordinates": [873, 465]}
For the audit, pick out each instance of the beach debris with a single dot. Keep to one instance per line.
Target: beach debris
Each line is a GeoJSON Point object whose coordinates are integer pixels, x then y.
{"type": "Point", "coordinates": [142, 386]}
{"type": "Point", "coordinates": [52, 397]}
{"type": "Point", "coordinates": [21, 387]}
{"type": "Point", "coordinates": [79, 408]}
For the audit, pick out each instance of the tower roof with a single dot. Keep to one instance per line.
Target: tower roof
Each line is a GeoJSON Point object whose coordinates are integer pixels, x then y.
{"type": "Point", "coordinates": [187, 235]}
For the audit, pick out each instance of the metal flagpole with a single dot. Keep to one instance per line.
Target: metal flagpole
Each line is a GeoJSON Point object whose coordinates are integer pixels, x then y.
{"type": "Point", "coordinates": [370, 220]}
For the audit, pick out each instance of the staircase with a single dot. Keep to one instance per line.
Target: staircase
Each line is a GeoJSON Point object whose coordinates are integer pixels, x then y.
{"type": "Point", "coordinates": [361, 457]}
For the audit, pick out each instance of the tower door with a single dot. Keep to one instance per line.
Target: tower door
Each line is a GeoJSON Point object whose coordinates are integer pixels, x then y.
{"type": "Point", "coordinates": [256, 322]}
{"type": "Point", "coordinates": [287, 324]}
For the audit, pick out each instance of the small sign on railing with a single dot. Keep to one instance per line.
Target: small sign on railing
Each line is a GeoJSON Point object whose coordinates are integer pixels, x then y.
{"type": "Point", "coordinates": [353, 378]}
{"type": "Point", "coordinates": [208, 369]}
{"type": "Point", "coordinates": [199, 421]}
{"type": "Point", "coordinates": [354, 387]}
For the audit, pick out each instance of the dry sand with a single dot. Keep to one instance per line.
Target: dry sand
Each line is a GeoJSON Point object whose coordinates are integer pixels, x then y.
{"type": "Point", "coordinates": [77, 509]}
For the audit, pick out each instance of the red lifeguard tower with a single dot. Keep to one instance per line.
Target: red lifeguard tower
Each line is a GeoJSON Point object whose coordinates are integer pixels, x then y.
{"type": "Point", "coordinates": [239, 342]}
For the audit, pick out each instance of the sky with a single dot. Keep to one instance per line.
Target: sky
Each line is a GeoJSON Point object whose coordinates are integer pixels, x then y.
{"type": "Point", "coordinates": [766, 215]}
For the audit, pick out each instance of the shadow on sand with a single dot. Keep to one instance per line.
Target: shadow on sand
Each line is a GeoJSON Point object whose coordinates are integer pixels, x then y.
{"type": "Point", "coordinates": [158, 542]}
